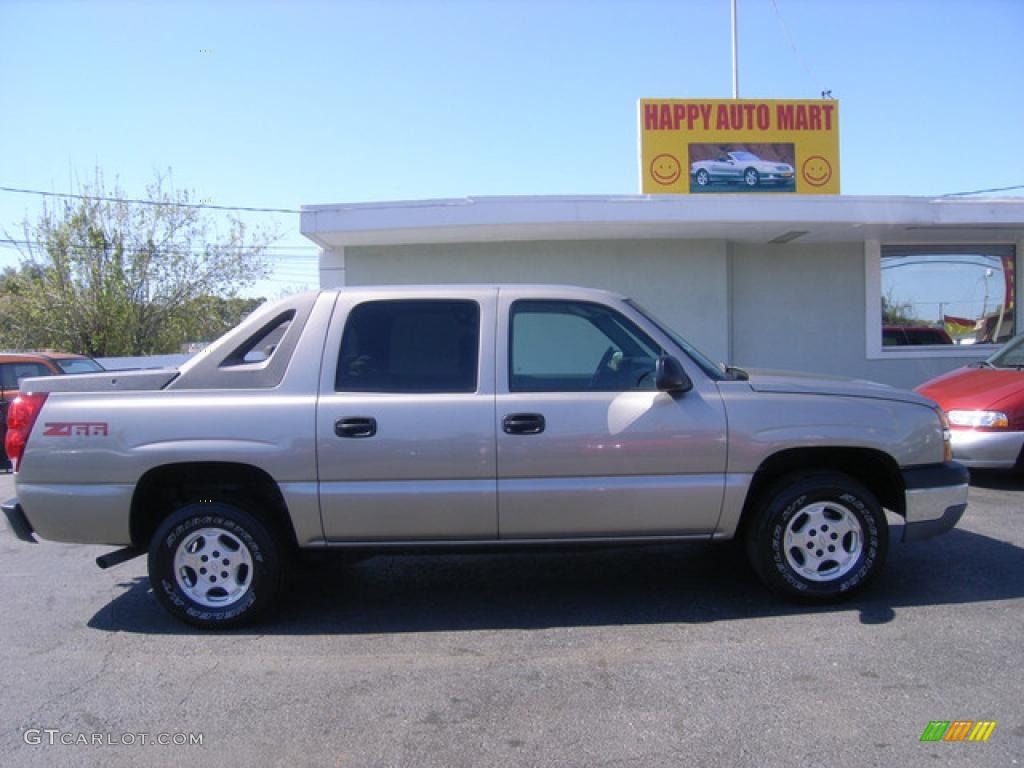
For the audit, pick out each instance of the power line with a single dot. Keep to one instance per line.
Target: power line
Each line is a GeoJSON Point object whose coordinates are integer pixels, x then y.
{"type": "Point", "coordinates": [279, 252]}
{"type": "Point", "coordinates": [983, 191]}
{"type": "Point", "coordinates": [149, 202]}
{"type": "Point", "coordinates": [306, 248]}
{"type": "Point", "coordinates": [792, 44]}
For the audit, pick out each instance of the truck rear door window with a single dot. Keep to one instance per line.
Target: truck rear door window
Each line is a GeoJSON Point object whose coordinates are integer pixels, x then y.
{"type": "Point", "coordinates": [410, 346]}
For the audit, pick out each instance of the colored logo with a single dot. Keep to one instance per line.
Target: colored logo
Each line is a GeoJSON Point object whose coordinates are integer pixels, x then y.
{"type": "Point", "coordinates": [665, 169]}
{"type": "Point", "coordinates": [958, 730]}
{"type": "Point", "coordinates": [76, 429]}
{"type": "Point", "coordinates": [816, 170]}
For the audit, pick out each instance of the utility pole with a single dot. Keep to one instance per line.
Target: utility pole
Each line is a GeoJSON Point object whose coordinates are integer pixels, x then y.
{"type": "Point", "coordinates": [735, 56]}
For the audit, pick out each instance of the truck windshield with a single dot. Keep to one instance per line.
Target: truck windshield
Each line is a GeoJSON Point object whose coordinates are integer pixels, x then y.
{"type": "Point", "coordinates": [1010, 356]}
{"type": "Point", "coordinates": [706, 364]}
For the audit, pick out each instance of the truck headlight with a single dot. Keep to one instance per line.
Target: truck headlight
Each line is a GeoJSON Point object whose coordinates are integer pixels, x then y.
{"type": "Point", "coordinates": [978, 419]}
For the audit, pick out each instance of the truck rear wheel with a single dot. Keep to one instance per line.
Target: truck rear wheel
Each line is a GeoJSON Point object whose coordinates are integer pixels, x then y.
{"type": "Point", "coordinates": [818, 537]}
{"type": "Point", "coordinates": [214, 565]}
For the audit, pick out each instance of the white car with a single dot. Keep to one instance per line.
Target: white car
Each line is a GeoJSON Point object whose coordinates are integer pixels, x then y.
{"type": "Point", "coordinates": [740, 167]}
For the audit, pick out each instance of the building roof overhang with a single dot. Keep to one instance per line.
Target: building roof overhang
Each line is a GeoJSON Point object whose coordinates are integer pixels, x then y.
{"type": "Point", "coordinates": [746, 218]}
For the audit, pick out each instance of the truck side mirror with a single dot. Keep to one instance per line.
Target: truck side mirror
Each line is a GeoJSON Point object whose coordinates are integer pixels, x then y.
{"type": "Point", "coordinates": [670, 377]}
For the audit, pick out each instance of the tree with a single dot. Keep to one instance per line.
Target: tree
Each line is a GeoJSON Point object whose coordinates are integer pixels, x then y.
{"type": "Point", "coordinates": [107, 277]}
{"type": "Point", "coordinates": [896, 312]}
{"type": "Point", "coordinates": [207, 317]}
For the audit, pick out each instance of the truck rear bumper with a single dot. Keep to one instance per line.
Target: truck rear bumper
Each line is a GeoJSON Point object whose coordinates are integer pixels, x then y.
{"type": "Point", "coordinates": [936, 498]}
{"type": "Point", "coordinates": [17, 522]}
{"type": "Point", "coordinates": [79, 513]}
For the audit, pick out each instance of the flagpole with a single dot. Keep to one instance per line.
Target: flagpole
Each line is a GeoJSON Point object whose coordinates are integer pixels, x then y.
{"type": "Point", "coordinates": [735, 56]}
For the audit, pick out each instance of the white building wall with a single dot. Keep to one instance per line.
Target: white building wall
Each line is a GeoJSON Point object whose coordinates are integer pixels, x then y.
{"type": "Point", "coordinates": [790, 307]}
{"type": "Point", "coordinates": [803, 307]}
{"type": "Point", "coordinates": [798, 307]}
{"type": "Point", "coordinates": [332, 268]}
{"type": "Point", "coordinates": [684, 282]}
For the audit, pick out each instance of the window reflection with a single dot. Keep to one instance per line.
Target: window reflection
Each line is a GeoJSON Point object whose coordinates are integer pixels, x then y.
{"type": "Point", "coordinates": [937, 295]}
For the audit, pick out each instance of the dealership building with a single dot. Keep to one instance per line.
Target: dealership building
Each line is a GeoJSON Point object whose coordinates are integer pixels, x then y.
{"type": "Point", "coordinates": [894, 289]}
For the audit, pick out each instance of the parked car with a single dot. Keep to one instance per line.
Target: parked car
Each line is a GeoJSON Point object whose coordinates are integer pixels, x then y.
{"type": "Point", "coordinates": [913, 335]}
{"type": "Point", "coordinates": [736, 167]}
{"type": "Point", "coordinates": [15, 366]}
{"type": "Point", "coordinates": [985, 405]}
{"type": "Point", "coordinates": [454, 417]}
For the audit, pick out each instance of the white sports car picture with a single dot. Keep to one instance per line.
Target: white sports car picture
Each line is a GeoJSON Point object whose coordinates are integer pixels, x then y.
{"type": "Point", "coordinates": [740, 167]}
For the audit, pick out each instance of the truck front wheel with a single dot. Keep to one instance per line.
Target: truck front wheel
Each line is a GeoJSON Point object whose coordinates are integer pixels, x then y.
{"type": "Point", "coordinates": [214, 565]}
{"type": "Point", "coordinates": [818, 537]}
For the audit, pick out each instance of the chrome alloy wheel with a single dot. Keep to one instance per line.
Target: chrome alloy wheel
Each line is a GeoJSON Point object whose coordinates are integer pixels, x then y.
{"type": "Point", "coordinates": [823, 541]}
{"type": "Point", "coordinates": [213, 567]}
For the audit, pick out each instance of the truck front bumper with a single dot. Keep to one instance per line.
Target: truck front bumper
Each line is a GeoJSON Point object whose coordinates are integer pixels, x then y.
{"type": "Point", "coordinates": [936, 497]}
{"type": "Point", "coordinates": [17, 522]}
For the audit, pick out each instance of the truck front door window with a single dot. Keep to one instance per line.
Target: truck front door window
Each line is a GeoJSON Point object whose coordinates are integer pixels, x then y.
{"type": "Point", "coordinates": [559, 346]}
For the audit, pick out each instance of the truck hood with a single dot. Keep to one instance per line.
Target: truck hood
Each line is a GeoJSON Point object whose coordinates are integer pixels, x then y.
{"type": "Point", "coordinates": [789, 382]}
{"type": "Point", "coordinates": [108, 381]}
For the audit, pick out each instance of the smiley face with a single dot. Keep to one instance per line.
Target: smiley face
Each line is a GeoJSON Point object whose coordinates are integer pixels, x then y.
{"type": "Point", "coordinates": [666, 170]}
{"type": "Point", "coordinates": [816, 171]}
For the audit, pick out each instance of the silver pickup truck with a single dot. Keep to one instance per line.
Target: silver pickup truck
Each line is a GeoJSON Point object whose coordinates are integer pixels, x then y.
{"type": "Point", "coordinates": [469, 417]}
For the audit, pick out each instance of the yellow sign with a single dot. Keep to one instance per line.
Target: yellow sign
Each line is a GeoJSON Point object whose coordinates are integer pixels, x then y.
{"type": "Point", "coordinates": [739, 145]}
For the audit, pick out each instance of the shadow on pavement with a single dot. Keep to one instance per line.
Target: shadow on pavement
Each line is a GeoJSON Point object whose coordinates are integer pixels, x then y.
{"type": "Point", "coordinates": [680, 583]}
{"type": "Point", "coordinates": [998, 479]}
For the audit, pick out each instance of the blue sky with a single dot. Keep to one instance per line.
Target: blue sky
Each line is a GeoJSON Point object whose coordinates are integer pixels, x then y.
{"type": "Point", "coordinates": [315, 102]}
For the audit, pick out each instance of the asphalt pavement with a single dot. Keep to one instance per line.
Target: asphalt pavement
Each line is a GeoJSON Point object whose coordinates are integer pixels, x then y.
{"type": "Point", "coordinates": [665, 656]}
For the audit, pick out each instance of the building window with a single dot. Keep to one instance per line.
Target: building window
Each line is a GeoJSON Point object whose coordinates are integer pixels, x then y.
{"type": "Point", "coordinates": [939, 295]}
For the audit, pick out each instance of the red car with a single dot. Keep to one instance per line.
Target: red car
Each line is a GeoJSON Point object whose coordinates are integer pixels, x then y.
{"type": "Point", "coordinates": [985, 405]}
{"type": "Point", "coordinates": [912, 335]}
{"type": "Point", "coordinates": [15, 366]}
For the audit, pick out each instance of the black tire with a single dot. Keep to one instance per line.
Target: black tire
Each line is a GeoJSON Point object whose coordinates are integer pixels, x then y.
{"type": "Point", "coordinates": [703, 178]}
{"type": "Point", "coordinates": [248, 563]}
{"type": "Point", "coordinates": [818, 537]}
{"type": "Point", "coordinates": [751, 177]}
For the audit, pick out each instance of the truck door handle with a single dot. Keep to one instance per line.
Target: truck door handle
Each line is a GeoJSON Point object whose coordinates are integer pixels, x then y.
{"type": "Point", "coordinates": [523, 424]}
{"type": "Point", "coordinates": [355, 427]}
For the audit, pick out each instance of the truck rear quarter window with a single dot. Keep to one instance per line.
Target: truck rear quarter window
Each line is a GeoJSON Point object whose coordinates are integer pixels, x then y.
{"type": "Point", "coordinates": [260, 347]}
{"type": "Point", "coordinates": [414, 346]}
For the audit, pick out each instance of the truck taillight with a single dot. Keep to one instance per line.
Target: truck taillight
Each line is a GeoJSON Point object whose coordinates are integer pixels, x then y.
{"type": "Point", "coordinates": [21, 417]}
